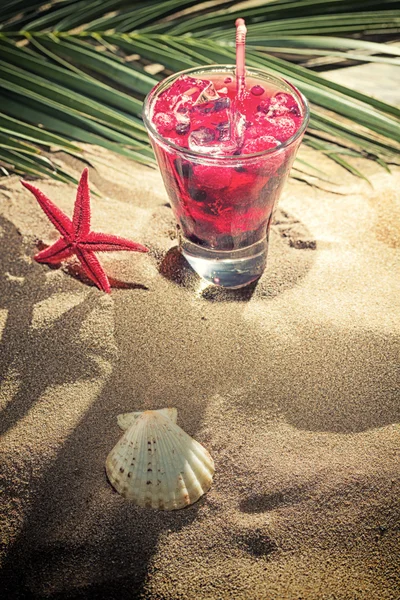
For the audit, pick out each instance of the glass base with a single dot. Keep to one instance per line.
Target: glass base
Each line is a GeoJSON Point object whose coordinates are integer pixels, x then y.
{"type": "Point", "coordinates": [226, 268]}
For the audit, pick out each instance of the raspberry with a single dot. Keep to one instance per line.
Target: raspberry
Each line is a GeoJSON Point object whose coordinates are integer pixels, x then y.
{"type": "Point", "coordinates": [258, 144]}
{"type": "Point", "coordinates": [264, 105]}
{"type": "Point", "coordinates": [282, 98]}
{"type": "Point", "coordinates": [164, 122]}
{"type": "Point", "coordinates": [282, 128]}
{"type": "Point", "coordinates": [255, 131]}
{"type": "Point", "coordinates": [282, 105]}
{"type": "Point", "coordinates": [212, 177]}
{"type": "Point", "coordinates": [257, 90]}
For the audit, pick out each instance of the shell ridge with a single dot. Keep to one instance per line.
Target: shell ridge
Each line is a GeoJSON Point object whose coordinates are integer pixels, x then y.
{"type": "Point", "coordinates": [170, 413]}
{"type": "Point", "coordinates": [147, 457]}
{"type": "Point", "coordinates": [140, 484]}
{"type": "Point", "coordinates": [193, 485]}
{"type": "Point", "coordinates": [136, 482]}
{"type": "Point", "coordinates": [164, 456]}
{"type": "Point", "coordinates": [199, 466]}
{"type": "Point", "coordinates": [117, 459]}
{"type": "Point", "coordinates": [168, 465]}
{"type": "Point", "coordinates": [130, 438]}
{"type": "Point", "coordinates": [195, 464]}
{"type": "Point", "coordinates": [183, 492]}
{"type": "Point", "coordinates": [163, 486]}
{"type": "Point", "coordinates": [183, 443]}
{"type": "Point", "coordinates": [133, 436]}
{"type": "Point", "coordinates": [180, 488]}
{"type": "Point", "coordinates": [148, 460]}
{"type": "Point", "coordinates": [156, 457]}
{"type": "Point", "coordinates": [178, 461]}
{"type": "Point", "coordinates": [202, 455]}
{"type": "Point", "coordinates": [118, 463]}
{"type": "Point", "coordinates": [154, 466]}
{"type": "Point", "coordinates": [200, 451]}
{"type": "Point", "coordinates": [167, 460]}
{"type": "Point", "coordinates": [157, 454]}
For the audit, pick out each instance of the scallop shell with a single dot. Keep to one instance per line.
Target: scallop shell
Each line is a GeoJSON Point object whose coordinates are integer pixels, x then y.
{"type": "Point", "coordinates": [156, 464]}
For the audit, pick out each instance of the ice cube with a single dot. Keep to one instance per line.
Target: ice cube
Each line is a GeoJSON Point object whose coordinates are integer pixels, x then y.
{"type": "Point", "coordinates": [182, 128]}
{"type": "Point", "coordinates": [217, 105]}
{"type": "Point", "coordinates": [210, 141]}
{"type": "Point", "coordinates": [207, 93]}
{"type": "Point", "coordinates": [222, 104]}
{"type": "Point", "coordinates": [200, 91]}
{"type": "Point", "coordinates": [205, 108]}
{"type": "Point", "coordinates": [184, 92]}
{"type": "Point", "coordinates": [182, 122]}
{"type": "Point", "coordinates": [211, 127]}
{"type": "Point", "coordinates": [239, 126]}
{"type": "Point", "coordinates": [202, 136]}
{"type": "Point", "coordinates": [224, 131]}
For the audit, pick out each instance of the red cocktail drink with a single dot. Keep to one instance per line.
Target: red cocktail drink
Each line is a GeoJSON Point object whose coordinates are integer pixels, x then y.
{"type": "Point", "coordinates": [224, 159]}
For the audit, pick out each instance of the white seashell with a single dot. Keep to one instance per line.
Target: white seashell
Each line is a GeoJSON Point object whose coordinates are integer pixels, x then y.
{"type": "Point", "coordinates": [157, 464]}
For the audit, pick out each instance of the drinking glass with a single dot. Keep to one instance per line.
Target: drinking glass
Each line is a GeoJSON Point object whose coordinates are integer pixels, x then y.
{"type": "Point", "coordinates": [224, 205]}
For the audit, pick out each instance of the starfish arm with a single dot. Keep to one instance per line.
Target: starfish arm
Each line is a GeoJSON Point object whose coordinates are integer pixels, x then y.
{"type": "Point", "coordinates": [102, 242]}
{"type": "Point", "coordinates": [56, 216]}
{"type": "Point", "coordinates": [55, 253]}
{"type": "Point", "coordinates": [81, 218]}
{"type": "Point", "coordinates": [93, 269]}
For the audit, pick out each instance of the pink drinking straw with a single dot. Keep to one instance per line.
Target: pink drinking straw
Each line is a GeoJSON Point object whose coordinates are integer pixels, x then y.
{"type": "Point", "coordinates": [241, 31]}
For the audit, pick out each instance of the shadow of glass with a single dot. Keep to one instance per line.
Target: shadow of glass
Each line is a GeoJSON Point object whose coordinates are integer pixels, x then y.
{"type": "Point", "coordinates": [176, 268]}
{"type": "Point", "coordinates": [289, 259]}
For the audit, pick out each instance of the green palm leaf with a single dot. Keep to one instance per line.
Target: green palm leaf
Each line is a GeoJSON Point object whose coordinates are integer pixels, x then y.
{"type": "Point", "coordinates": [75, 71]}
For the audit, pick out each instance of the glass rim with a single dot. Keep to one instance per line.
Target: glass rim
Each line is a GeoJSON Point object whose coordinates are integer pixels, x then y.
{"type": "Point", "coordinates": [235, 158]}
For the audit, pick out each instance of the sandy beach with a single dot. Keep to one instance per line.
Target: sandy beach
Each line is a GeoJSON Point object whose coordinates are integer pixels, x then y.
{"type": "Point", "coordinates": [292, 385]}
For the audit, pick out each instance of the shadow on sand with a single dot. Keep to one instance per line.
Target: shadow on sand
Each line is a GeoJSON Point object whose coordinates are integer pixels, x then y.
{"type": "Point", "coordinates": [289, 259]}
{"type": "Point", "coordinates": [79, 538]}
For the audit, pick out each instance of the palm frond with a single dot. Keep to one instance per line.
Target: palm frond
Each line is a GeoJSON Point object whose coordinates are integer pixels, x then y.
{"type": "Point", "coordinates": [76, 71]}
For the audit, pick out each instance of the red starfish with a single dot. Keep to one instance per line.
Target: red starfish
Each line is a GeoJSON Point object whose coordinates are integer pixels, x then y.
{"type": "Point", "coordinates": [76, 237]}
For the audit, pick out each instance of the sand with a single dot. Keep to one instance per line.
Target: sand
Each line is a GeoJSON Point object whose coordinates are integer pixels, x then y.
{"type": "Point", "coordinates": [291, 384]}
